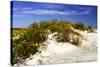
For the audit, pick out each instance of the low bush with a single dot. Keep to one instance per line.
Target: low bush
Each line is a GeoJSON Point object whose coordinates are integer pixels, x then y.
{"type": "Point", "coordinates": [79, 25]}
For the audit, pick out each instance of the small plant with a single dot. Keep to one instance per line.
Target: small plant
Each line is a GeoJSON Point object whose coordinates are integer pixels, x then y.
{"type": "Point", "coordinates": [79, 25]}
{"type": "Point", "coordinates": [89, 28]}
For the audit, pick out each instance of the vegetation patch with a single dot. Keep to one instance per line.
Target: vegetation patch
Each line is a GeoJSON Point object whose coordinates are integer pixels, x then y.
{"type": "Point", "coordinates": [33, 36]}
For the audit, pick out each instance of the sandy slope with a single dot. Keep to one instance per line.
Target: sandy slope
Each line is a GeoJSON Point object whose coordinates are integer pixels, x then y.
{"type": "Point", "coordinates": [65, 52]}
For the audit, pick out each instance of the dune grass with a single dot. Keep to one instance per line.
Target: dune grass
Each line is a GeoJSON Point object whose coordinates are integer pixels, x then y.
{"type": "Point", "coordinates": [36, 33]}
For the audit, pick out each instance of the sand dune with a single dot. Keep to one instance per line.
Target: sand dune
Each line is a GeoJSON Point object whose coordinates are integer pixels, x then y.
{"type": "Point", "coordinates": [64, 52]}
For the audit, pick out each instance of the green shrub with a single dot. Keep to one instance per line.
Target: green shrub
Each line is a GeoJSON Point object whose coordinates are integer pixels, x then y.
{"type": "Point", "coordinates": [79, 25]}
{"type": "Point", "coordinates": [23, 50]}
{"type": "Point", "coordinates": [28, 43]}
{"type": "Point", "coordinates": [89, 28]}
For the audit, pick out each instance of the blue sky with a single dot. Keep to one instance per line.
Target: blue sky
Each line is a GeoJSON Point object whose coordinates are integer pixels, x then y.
{"type": "Point", "coordinates": [25, 13]}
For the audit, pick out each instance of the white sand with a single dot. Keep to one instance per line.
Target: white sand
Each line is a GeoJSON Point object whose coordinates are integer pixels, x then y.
{"type": "Point", "coordinates": [65, 52]}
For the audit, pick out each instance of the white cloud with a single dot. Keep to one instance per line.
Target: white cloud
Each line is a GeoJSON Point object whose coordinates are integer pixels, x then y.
{"type": "Point", "coordinates": [45, 12]}
{"type": "Point", "coordinates": [18, 15]}
{"type": "Point", "coordinates": [22, 9]}
{"type": "Point", "coordinates": [55, 12]}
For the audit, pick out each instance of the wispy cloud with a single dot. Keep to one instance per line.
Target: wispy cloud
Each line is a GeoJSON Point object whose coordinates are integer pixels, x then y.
{"type": "Point", "coordinates": [68, 11]}
{"type": "Point", "coordinates": [50, 6]}
{"type": "Point", "coordinates": [45, 12]}
{"type": "Point", "coordinates": [22, 9]}
{"type": "Point", "coordinates": [56, 12]}
{"type": "Point", "coordinates": [53, 9]}
{"type": "Point", "coordinates": [18, 15]}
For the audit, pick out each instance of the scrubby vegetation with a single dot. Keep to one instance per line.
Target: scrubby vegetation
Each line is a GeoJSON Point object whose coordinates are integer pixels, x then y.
{"type": "Point", "coordinates": [81, 26]}
{"type": "Point", "coordinates": [34, 35]}
{"type": "Point", "coordinates": [18, 31]}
